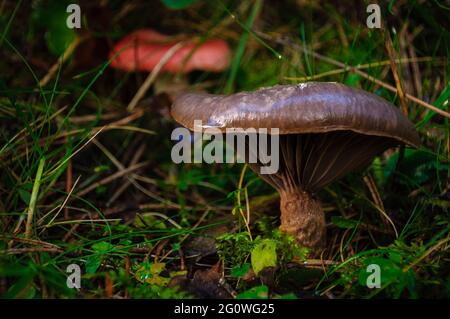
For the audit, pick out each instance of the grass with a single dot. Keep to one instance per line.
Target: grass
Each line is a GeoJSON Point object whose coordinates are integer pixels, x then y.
{"type": "Point", "coordinates": [84, 181]}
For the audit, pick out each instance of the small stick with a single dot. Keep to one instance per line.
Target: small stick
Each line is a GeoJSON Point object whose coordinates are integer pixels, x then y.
{"type": "Point", "coordinates": [31, 242]}
{"type": "Point", "coordinates": [108, 286]}
{"type": "Point", "coordinates": [17, 251]}
{"type": "Point", "coordinates": [182, 260]}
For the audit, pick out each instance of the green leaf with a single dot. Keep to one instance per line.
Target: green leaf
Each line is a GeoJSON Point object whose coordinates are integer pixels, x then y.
{"type": "Point", "coordinates": [101, 168]}
{"type": "Point", "coordinates": [441, 103]}
{"type": "Point", "coordinates": [92, 263]}
{"type": "Point", "coordinates": [176, 247]}
{"type": "Point", "coordinates": [258, 292]}
{"type": "Point", "coordinates": [25, 196]}
{"type": "Point", "coordinates": [102, 247]}
{"type": "Point", "coordinates": [146, 221]}
{"type": "Point", "coordinates": [59, 39]}
{"type": "Point", "coordinates": [389, 271]}
{"type": "Point", "coordinates": [125, 242]}
{"type": "Point", "coordinates": [178, 4]}
{"type": "Point", "coordinates": [150, 273]}
{"type": "Point", "coordinates": [239, 271]}
{"type": "Point", "coordinates": [23, 289]}
{"type": "Point", "coordinates": [52, 17]}
{"type": "Point", "coordinates": [289, 295]}
{"type": "Point", "coordinates": [410, 282]}
{"type": "Point", "coordinates": [264, 254]}
{"type": "Point", "coordinates": [352, 79]}
{"type": "Point", "coordinates": [395, 256]}
{"type": "Point", "coordinates": [377, 168]}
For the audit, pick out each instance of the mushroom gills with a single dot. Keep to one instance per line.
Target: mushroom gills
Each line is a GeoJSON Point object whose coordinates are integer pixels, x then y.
{"type": "Point", "coordinates": [309, 162]}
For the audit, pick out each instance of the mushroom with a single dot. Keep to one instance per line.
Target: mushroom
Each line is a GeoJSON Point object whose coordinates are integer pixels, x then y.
{"type": "Point", "coordinates": [326, 130]}
{"type": "Point", "coordinates": [143, 49]}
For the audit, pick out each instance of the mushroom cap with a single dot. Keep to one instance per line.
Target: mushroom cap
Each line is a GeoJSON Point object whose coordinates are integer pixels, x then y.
{"type": "Point", "coordinates": [143, 49]}
{"type": "Point", "coordinates": [312, 107]}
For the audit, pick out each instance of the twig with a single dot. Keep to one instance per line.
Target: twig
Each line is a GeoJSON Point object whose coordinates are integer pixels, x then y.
{"type": "Point", "coordinates": [16, 251]}
{"type": "Point", "coordinates": [92, 117]}
{"type": "Point", "coordinates": [30, 242]}
{"type": "Point", "coordinates": [314, 262]}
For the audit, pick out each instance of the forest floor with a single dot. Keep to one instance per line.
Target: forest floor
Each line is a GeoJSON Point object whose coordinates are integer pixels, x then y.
{"type": "Point", "coordinates": [85, 181]}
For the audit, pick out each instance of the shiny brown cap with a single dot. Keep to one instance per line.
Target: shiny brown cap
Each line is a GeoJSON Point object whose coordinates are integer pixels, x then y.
{"type": "Point", "coordinates": [312, 107]}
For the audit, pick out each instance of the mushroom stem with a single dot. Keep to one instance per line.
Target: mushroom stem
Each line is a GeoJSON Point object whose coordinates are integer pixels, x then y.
{"type": "Point", "coordinates": [302, 217]}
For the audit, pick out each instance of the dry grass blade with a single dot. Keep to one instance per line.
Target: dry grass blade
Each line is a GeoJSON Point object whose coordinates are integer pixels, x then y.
{"type": "Point", "coordinates": [63, 205]}
{"type": "Point", "coordinates": [152, 76]}
{"type": "Point", "coordinates": [398, 83]}
{"type": "Point", "coordinates": [63, 58]}
{"type": "Point", "coordinates": [245, 217]}
{"type": "Point", "coordinates": [33, 199]}
{"type": "Point", "coordinates": [112, 177]}
{"type": "Point", "coordinates": [76, 152]}
{"type": "Point", "coordinates": [413, 61]}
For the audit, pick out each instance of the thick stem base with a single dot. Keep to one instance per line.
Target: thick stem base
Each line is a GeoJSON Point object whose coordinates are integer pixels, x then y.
{"type": "Point", "coordinates": [302, 216]}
